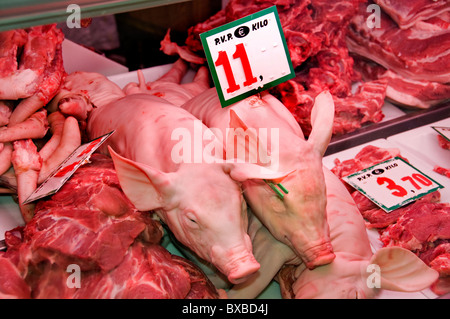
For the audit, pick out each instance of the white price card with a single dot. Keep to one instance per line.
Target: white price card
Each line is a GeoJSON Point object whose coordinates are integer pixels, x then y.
{"type": "Point", "coordinates": [392, 183]}
{"type": "Point", "coordinates": [66, 169]}
{"type": "Point", "coordinates": [444, 131]}
{"type": "Point", "coordinates": [247, 56]}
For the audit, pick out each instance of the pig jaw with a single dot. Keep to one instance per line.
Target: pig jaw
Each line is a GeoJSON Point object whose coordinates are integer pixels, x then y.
{"type": "Point", "coordinates": [237, 263]}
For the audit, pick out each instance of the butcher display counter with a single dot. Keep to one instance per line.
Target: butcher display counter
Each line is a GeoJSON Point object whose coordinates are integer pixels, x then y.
{"type": "Point", "coordinates": [410, 132]}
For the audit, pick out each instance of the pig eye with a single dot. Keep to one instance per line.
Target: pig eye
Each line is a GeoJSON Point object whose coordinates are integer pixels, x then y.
{"type": "Point", "coordinates": [191, 220]}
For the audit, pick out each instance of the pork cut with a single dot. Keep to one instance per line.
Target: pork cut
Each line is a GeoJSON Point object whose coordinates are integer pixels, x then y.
{"type": "Point", "coordinates": [147, 271]}
{"type": "Point", "coordinates": [417, 53]}
{"type": "Point", "coordinates": [89, 223]}
{"type": "Point", "coordinates": [408, 13]}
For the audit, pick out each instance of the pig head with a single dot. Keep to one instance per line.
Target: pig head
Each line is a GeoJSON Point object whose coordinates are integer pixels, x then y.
{"type": "Point", "coordinates": [298, 219]}
{"type": "Point", "coordinates": [356, 272]}
{"type": "Point", "coordinates": [199, 198]}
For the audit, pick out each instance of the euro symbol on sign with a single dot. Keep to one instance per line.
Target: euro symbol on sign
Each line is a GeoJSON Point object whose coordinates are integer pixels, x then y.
{"type": "Point", "coordinates": [241, 32]}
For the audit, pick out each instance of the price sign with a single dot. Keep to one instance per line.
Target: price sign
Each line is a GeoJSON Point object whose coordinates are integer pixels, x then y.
{"type": "Point", "coordinates": [66, 169]}
{"type": "Point", "coordinates": [444, 131]}
{"type": "Point", "coordinates": [247, 56]}
{"type": "Point", "coordinates": [392, 183]}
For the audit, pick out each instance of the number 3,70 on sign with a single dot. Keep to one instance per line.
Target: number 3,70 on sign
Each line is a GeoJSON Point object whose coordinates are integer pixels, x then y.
{"type": "Point", "coordinates": [415, 180]}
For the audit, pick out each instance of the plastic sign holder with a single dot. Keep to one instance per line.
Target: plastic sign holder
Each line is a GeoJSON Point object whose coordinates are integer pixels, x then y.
{"type": "Point", "coordinates": [247, 56]}
{"type": "Point", "coordinates": [392, 184]}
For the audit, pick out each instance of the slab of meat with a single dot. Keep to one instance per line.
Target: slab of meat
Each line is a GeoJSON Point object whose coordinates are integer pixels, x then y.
{"type": "Point", "coordinates": [418, 53]}
{"type": "Point", "coordinates": [420, 226]}
{"type": "Point", "coordinates": [92, 211]}
{"type": "Point", "coordinates": [403, 91]}
{"type": "Point", "coordinates": [90, 224]}
{"type": "Point", "coordinates": [408, 13]}
{"type": "Point", "coordinates": [147, 271]}
{"type": "Point", "coordinates": [12, 285]}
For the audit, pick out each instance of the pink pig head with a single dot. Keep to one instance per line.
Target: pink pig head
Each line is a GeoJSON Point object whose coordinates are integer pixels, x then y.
{"type": "Point", "coordinates": [297, 219]}
{"type": "Point", "coordinates": [202, 206]}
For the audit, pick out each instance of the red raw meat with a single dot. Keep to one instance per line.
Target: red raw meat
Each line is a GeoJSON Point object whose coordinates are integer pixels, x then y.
{"type": "Point", "coordinates": [366, 157]}
{"type": "Point", "coordinates": [91, 224]}
{"type": "Point", "coordinates": [442, 170]}
{"type": "Point", "coordinates": [418, 53]}
{"type": "Point", "coordinates": [400, 90]}
{"type": "Point", "coordinates": [92, 210]}
{"type": "Point", "coordinates": [12, 285]}
{"type": "Point", "coordinates": [407, 13]}
{"type": "Point", "coordinates": [148, 271]}
{"type": "Point", "coordinates": [419, 226]}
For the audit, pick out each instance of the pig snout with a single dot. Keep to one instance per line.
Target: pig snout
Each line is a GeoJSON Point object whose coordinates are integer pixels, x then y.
{"type": "Point", "coordinates": [236, 263]}
{"type": "Point", "coordinates": [313, 252]}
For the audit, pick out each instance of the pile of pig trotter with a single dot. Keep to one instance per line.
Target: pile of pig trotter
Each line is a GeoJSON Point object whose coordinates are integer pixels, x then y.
{"type": "Point", "coordinates": [240, 219]}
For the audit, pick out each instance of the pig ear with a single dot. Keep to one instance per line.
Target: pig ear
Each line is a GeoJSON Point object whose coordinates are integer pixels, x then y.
{"type": "Point", "coordinates": [241, 172]}
{"type": "Point", "coordinates": [402, 270]}
{"type": "Point", "coordinates": [322, 117]}
{"type": "Point", "coordinates": [252, 148]}
{"type": "Point", "coordinates": [144, 186]}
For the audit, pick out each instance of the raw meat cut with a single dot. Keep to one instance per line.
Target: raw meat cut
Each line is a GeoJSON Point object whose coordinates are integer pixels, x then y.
{"type": "Point", "coordinates": [403, 91]}
{"type": "Point", "coordinates": [92, 211]}
{"type": "Point", "coordinates": [12, 285]}
{"type": "Point", "coordinates": [442, 170]}
{"type": "Point", "coordinates": [408, 13]}
{"type": "Point", "coordinates": [443, 142]}
{"type": "Point", "coordinates": [418, 53]}
{"type": "Point", "coordinates": [420, 226]}
{"type": "Point", "coordinates": [147, 271]}
{"type": "Point", "coordinates": [90, 224]}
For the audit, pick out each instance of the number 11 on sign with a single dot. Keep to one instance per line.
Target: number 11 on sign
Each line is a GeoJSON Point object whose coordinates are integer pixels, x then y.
{"type": "Point", "coordinates": [240, 53]}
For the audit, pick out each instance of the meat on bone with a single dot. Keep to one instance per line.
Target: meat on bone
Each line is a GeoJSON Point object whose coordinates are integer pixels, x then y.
{"type": "Point", "coordinates": [15, 83]}
{"type": "Point", "coordinates": [299, 219]}
{"type": "Point", "coordinates": [406, 14]}
{"type": "Point", "coordinates": [209, 218]}
{"type": "Point", "coordinates": [356, 272]}
{"type": "Point", "coordinates": [36, 73]}
{"type": "Point", "coordinates": [416, 53]}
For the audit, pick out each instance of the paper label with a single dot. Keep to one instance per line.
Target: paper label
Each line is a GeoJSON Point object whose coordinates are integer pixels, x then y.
{"type": "Point", "coordinates": [66, 169]}
{"type": "Point", "coordinates": [392, 183]}
{"type": "Point", "coordinates": [247, 56]}
{"type": "Point", "coordinates": [444, 131]}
